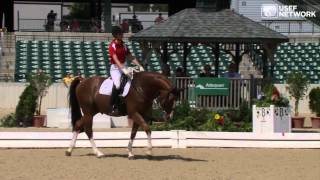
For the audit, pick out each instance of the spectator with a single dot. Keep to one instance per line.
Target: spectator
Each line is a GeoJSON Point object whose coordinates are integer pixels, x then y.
{"type": "Point", "coordinates": [39, 71]}
{"type": "Point", "coordinates": [180, 73]}
{"type": "Point", "coordinates": [206, 72]}
{"type": "Point", "coordinates": [234, 90]}
{"type": "Point", "coordinates": [51, 17]}
{"type": "Point", "coordinates": [136, 24]}
{"type": "Point", "coordinates": [64, 25]}
{"type": "Point", "coordinates": [232, 72]}
{"type": "Point", "coordinates": [94, 25]}
{"type": "Point", "coordinates": [166, 70]}
{"type": "Point", "coordinates": [125, 26]}
{"type": "Point", "coordinates": [159, 19]}
{"type": "Point", "coordinates": [75, 27]}
{"type": "Point", "coordinates": [67, 80]}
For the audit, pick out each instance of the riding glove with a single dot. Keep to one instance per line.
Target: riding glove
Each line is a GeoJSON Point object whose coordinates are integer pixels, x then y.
{"type": "Point", "coordinates": [141, 68]}
{"type": "Point", "coordinates": [126, 72]}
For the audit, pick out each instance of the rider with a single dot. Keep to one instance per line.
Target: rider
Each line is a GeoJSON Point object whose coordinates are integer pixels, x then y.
{"type": "Point", "coordinates": [118, 53]}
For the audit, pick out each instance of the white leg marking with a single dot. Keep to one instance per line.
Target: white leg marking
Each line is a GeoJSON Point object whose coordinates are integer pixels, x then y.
{"type": "Point", "coordinates": [130, 154]}
{"type": "Point", "coordinates": [73, 142]}
{"type": "Point", "coordinates": [149, 151]}
{"type": "Point", "coordinates": [95, 149]}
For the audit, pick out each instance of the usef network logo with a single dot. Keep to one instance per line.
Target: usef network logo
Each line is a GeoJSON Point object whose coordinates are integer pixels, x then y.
{"type": "Point", "coordinates": [269, 11]}
{"type": "Point", "coordinates": [285, 11]}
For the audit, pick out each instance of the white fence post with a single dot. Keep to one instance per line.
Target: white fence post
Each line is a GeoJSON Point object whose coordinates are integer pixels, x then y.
{"type": "Point", "coordinates": [174, 139]}
{"type": "Point", "coordinates": [182, 139]}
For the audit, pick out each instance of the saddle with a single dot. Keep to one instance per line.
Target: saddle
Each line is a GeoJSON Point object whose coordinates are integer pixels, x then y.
{"type": "Point", "coordinates": [118, 102]}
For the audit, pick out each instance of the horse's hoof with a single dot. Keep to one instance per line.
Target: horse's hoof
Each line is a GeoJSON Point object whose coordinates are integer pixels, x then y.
{"type": "Point", "coordinates": [149, 157]}
{"type": "Point", "coordinates": [149, 153]}
{"type": "Point", "coordinates": [131, 158]}
{"type": "Point", "coordinates": [100, 156]}
{"type": "Point", "coordinates": [68, 153]}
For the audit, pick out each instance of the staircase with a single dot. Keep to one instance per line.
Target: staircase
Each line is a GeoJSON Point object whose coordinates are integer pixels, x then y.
{"type": "Point", "coordinates": [7, 57]}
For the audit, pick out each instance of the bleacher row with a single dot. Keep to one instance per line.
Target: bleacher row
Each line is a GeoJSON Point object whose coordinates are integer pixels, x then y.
{"type": "Point", "coordinates": [304, 57]}
{"type": "Point", "coordinates": [57, 58]}
{"type": "Point", "coordinates": [91, 58]}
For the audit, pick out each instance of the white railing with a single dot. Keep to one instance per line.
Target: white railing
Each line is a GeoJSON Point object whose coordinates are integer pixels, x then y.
{"type": "Point", "coordinates": [170, 139]}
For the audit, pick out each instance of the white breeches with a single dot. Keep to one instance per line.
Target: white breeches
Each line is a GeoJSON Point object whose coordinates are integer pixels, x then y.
{"type": "Point", "coordinates": [115, 73]}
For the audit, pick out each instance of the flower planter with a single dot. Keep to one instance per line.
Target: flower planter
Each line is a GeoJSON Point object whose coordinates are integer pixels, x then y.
{"type": "Point", "coordinates": [38, 121]}
{"type": "Point", "coordinates": [315, 122]}
{"type": "Point", "coordinates": [297, 122]}
{"type": "Point", "coordinates": [271, 119]}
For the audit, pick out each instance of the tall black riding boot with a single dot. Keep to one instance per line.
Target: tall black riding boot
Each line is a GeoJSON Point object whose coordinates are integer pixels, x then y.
{"type": "Point", "coordinates": [115, 100]}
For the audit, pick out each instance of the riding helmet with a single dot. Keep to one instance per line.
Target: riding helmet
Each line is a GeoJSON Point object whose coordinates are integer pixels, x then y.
{"type": "Point", "coordinates": [116, 30]}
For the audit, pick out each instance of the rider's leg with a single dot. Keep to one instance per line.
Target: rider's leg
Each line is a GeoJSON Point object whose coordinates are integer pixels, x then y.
{"type": "Point", "coordinates": [115, 73]}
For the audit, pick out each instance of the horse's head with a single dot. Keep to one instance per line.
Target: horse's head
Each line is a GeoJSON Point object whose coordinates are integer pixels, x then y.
{"type": "Point", "coordinates": [167, 101]}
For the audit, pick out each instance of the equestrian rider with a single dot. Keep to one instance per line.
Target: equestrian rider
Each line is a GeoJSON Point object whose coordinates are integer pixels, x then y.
{"type": "Point", "coordinates": [118, 53]}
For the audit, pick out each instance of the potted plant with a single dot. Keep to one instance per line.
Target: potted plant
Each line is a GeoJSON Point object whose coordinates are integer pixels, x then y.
{"type": "Point", "coordinates": [314, 105]}
{"type": "Point", "coordinates": [271, 112]}
{"type": "Point", "coordinates": [297, 87]}
{"type": "Point", "coordinates": [41, 82]}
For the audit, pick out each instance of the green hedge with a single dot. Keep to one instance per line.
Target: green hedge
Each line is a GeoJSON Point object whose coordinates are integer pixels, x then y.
{"type": "Point", "coordinates": [192, 119]}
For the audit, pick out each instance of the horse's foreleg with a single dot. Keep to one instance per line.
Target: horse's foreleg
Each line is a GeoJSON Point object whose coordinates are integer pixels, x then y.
{"type": "Point", "coordinates": [149, 151]}
{"type": "Point", "coordinates": [72, 144]}
{"type": "Point", "coordinates": [141, 122]}
{"type": "Point", "coordinates": [88, 130]}
{"type": "Point", "coordinates": [134, 130]}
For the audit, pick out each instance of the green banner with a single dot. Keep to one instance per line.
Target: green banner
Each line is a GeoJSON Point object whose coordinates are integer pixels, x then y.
{"type": "Point", "coordinates": [212, 86]}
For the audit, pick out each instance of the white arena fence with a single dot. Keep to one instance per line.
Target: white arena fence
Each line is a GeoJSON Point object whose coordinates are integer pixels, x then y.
{"type": "Point", "coordinates": [169, 139]}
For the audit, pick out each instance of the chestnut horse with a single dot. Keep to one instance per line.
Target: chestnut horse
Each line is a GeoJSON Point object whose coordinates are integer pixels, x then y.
{"type": "Point", "coordinates": [145, 87]}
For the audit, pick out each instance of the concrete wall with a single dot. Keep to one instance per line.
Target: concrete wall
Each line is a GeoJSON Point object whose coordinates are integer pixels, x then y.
{"type": "Point", "coordinates": [304, 104]}
{"type": "Point", "coordinates": [57, 96]}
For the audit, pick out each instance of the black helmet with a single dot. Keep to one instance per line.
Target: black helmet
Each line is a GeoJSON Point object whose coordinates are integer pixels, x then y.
{"type": "Point", "coordinates": [116, 30]}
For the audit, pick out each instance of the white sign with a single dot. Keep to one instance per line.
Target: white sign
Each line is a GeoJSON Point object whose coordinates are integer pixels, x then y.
{"type": "Point", "coordinates": [284, 11]}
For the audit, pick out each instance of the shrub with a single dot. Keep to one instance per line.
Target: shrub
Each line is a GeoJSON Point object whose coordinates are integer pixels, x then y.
{"type": "Point", "coordinates": [314, 101]}
{"type": "Point", "coordinates": [192, 119]}
{"type": "Point", "coordinates": [26, 106]}
{"type": "Point", "coordinates": [9, 120]}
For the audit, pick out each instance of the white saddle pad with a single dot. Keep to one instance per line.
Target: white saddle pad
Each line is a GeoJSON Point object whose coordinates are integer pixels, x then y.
{"type": "Point", "coordinates": [106, 88]}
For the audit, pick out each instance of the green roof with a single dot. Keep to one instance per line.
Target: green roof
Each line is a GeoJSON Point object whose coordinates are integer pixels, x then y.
{"type": "Point", "coordinates": [199, 25]}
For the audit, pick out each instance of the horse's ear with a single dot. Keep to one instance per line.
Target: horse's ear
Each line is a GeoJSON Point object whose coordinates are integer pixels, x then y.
{"type": "Point", "coordinates": [176, 91]}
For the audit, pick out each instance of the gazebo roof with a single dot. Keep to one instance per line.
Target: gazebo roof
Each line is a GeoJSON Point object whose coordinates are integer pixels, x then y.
{"type": "Point", "coordinates": [200, 25]}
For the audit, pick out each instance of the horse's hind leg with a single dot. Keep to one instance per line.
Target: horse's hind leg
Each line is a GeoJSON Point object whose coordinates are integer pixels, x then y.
{"type": "Point", "coordinates": [137, 118]}
{"type": "Point", "coordinates": [134, 130]}
{"type": "Point", "coordinates": [78, 128]}
{"type": "Point", "coordinates": [88, 129]}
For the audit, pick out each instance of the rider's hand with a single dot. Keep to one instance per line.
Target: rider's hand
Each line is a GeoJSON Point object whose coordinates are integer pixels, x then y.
{"type": "Point", "coordinates": [141, 68]}
{"type": "Point", "coordinates": [126, 72]}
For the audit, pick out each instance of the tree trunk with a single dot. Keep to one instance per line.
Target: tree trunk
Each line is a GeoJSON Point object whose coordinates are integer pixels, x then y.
{"type": "Point", "coordinates": [296, 106]}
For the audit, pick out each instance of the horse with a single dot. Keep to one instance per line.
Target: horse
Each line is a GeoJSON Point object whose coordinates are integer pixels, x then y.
{"type": "Point", "coordinates": [145, 88]}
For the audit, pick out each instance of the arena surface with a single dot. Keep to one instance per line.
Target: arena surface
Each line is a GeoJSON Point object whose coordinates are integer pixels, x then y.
{"type": "Point", "coordinates": [200, 163]}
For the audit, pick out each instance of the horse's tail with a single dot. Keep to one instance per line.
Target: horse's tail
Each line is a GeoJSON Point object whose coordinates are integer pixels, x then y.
{"type": "Point", "coordinates": [73, 103]}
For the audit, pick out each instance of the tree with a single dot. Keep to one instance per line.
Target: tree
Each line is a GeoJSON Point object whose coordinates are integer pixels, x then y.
{"type": "Point", "coordinates": [41, 82]}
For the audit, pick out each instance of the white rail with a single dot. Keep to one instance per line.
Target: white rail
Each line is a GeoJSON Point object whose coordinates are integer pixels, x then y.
{"type": "Point", "coordinates": [171, 139]}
